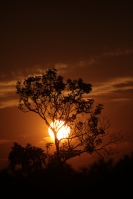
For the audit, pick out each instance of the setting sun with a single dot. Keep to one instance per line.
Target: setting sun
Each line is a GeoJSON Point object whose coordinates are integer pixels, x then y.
{"type": "Point", "coordinates": [62, 131]}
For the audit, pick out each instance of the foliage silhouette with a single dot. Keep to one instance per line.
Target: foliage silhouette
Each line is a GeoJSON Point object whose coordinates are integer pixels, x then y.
{"type": "Point", "coordinates": [112, 179]}
{"type": "Point", "coordinates": [29, 158]}
{"type": "Point", "coordinates": [54, 99]}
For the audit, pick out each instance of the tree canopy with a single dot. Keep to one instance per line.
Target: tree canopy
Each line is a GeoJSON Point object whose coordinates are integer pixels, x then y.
{"type": "Point", "coordinates": [54, 99]}
{"type": "Point", "coordinates": [29, 158]}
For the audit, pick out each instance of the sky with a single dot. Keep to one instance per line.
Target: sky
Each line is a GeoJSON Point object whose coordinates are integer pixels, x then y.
{"type": "Point", "coordinates": [92, 40]}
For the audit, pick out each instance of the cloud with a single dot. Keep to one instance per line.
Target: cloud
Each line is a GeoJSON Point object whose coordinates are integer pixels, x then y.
{"type": "Point", "coordinates": [94, 59]}
{"type": "Point", "coordinates": [121, 99]}
{"type": "Point", "coordinates": [117, 52]}
{"type": "Point", "coordinates": [3, 141]}
{"type": "Point", "coordinates": [22, 73]}
{"type": "Point", "coordinates": [9, 103]}
{"type": "Point", "coordinates": [93, 69]}
{"type": "Point", "coordinates": [45, 140]}
{"type": "Point", "coordinates": [7, 94]}
{"type": "Point", "coordinates": [120, 85]}
{"type": "Point", "coordinates": [61, 67]}
{"type": "Point", "coordinates": [117, 84]}
{"type": "Point", "coordinates": [89, 62]}
{"type": "Point", "coordinates": [6, 87]}
{"type": "Point", "coordinates": [95, 62]}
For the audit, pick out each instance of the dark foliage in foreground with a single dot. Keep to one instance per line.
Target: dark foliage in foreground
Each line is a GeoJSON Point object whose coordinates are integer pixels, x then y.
{"type": "Point", "coordinates": [101, 179]}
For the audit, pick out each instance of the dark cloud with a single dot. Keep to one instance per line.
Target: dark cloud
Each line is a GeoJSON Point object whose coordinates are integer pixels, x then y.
{"type": "Point", "coordinates": [123, 85]}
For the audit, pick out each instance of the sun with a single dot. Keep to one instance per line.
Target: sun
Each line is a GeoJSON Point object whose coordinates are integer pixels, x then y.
{"type": "Point", "coordinates": [62, 131]}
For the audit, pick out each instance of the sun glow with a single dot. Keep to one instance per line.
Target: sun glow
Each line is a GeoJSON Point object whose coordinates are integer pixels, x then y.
{"type": "Point", "coordinates": [61, 129]}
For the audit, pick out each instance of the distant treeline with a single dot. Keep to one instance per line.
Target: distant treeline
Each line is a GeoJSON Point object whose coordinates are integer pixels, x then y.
{"type": "Point", "coordinates": [102, 179]}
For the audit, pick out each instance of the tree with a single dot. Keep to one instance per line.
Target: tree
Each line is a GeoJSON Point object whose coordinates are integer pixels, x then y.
{"type": "Point", "coordinates": [54, 99]}
{"type": "Point", "coordinates": [29, 158]}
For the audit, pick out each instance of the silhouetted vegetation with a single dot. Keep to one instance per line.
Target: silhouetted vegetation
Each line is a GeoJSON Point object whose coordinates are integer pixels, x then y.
{"type": "Point", "coordinates": [54, 99]}
{"type": "Point", "coordinates": [29, 158]}
{"type": "Point", "coordinates": [100, 178]}
{"type": "Point", "coordinates": [34, 171]}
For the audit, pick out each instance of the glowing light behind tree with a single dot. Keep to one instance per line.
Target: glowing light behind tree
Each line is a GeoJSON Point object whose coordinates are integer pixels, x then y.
{"type": "Point", "coordinates": [61, 129]}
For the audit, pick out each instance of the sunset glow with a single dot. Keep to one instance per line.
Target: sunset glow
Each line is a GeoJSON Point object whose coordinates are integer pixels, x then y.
{"type": "Point", "coordinates": [86, 40]}
{"type": "Point", "coordinates": [62, 131]}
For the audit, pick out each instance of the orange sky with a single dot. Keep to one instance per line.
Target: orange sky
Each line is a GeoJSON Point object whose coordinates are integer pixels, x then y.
{"type": "Point", "coordinates": [88, 40]}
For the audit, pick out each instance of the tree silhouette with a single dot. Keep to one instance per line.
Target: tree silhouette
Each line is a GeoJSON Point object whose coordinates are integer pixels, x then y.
{"type": "Point", "coordinates": [29, 158]}
{"type": "Point", "coordinates": [54, 99]}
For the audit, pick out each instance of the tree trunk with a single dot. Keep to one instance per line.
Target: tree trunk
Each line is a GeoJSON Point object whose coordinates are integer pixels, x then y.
{"type": "Point", "coordinates": [57, 150]}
